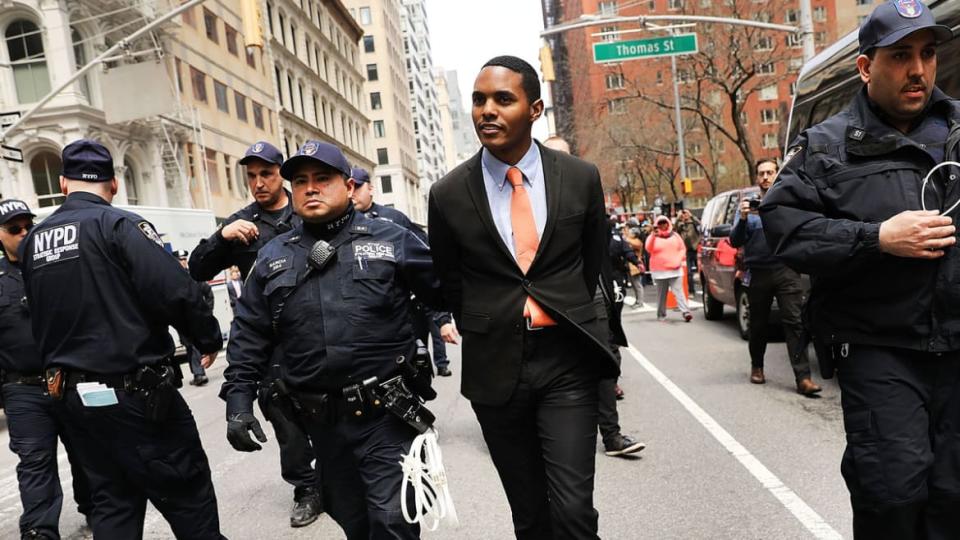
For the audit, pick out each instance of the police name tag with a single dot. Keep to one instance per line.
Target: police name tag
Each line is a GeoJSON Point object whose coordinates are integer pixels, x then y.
{"type": "Point", "coordinates": [94, 394]}
{"type": "Point", "coordinates": [57, 244]}
{"type": "Point", "coordinates": [381, 251]}
{"type": "Point", "coordinates": [278, 265]}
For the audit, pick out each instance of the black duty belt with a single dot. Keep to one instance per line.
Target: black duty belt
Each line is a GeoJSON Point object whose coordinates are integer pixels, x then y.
{"type": "Point", "coordinates": [119, 382]}
{"type": "Point", "coordinates": [20, 378]}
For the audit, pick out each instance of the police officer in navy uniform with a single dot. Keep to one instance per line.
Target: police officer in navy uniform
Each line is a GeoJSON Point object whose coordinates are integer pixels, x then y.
{"type": "Point", "coordinates": [848, 209]}
{"type": "Point", "coordinates": [33, 426]}
{"type": "Point", "coordinates": [334, 293]}
{"type": "Point", "coordinates": [237, 243]}
{"type": "Point", "coordinates": [425, 322]}
{"type": "Point", "coordinates": [103, 292]}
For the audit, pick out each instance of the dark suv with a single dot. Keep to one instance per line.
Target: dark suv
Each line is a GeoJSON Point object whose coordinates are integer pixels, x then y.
{"type": "Point", "coordinates": [721, 265]}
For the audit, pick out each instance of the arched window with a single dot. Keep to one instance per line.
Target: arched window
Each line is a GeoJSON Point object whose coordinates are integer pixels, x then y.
{"type": "Point", "coordinates": [80, 55]}
{"type": "Point", "coordinates": [45, 169]}
{"type": "Point", "coordinates": [132, 181]}
{"type": "Point", "coordinates": [25, 50]}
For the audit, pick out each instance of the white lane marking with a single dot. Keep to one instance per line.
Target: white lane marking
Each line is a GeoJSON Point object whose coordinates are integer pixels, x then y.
{"type": "Point", "coordinates": [807, 516]}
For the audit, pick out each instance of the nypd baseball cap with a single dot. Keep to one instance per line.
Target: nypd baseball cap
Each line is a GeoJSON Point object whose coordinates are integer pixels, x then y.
{"type": "Point", "coordinates": [360, 176]}
{"type": "Point", "coordinates": [322, 152]}
{"type": "Point", "coordinates": [896, 19]}
{"type": "Point", "coordinates": [12, 208]}
{"type": "Point", "coordinates": [87, 160]}
{"type": "Point", "coordinates": [263, 151]}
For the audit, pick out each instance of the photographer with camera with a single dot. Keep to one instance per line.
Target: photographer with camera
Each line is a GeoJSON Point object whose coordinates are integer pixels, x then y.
{"type": "Point", "coordinates": [767, 278]}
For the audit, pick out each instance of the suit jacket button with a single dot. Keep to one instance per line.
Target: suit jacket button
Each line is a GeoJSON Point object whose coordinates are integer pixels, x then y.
{"type": "Point", "coordinates": [526, 283]}
{"type": "Point", "coordinates": [517, 328]}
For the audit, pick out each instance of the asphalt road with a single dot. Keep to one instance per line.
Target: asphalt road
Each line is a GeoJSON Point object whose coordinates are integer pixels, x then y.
{"type": "Point", "coordinates": [724, 460]}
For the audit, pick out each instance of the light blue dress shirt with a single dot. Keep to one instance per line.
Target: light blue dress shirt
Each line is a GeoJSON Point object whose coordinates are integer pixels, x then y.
{"type": "Point", "coordinates": [499, 191]}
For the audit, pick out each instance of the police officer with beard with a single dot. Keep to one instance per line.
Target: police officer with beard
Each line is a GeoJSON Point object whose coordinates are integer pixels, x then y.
{"type": "Point", "coordinates": [32, 424]}
{"type": "Point", "coordinates": [237, 243]}
{"type": "Point", "coordinates": [103, 292]}
{"type": "Point", "coordinates": [852, 208]}
{"type": "Point", "coordinates": [334, 293]}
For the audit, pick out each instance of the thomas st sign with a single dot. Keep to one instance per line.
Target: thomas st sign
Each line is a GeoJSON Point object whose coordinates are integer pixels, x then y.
{"type": "Point", "coordinates": [618, 51]}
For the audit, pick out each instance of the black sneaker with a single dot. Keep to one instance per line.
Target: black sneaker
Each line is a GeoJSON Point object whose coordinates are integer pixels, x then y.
{"type": "Point", "coordinates": [622, 445]}
{"type": "Point", "coordinates": [444, 371]}
{"type": "Point", "coordinates": [307, 507]}
{"type": "Point", "coordinates": [199, 380]}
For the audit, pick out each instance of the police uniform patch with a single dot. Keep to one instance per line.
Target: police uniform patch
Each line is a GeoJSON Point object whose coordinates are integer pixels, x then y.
{"type": "Point", "coordinates": [790, 155]}
{"type": "Point", "coordinates": [857, 134]}
{"type": "Point", "coordinates": [56, 244]}
{"type": "Point", "coordinates": [278, 265]}
{"type": "Point", "coordinates": [381, 251]}
{"type": "Point", "coordinates": [147, 229]}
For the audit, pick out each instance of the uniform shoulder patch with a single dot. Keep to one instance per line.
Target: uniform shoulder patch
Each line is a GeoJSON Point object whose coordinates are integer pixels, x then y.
{"type": "Point", "coordinates": [147, 229]}
{"type": "Point", "coordinates": [56, 244]}
{"type": "Point", "coordinates": [363, 229]}
{"type": "Point", "coordinates": [791, 153]}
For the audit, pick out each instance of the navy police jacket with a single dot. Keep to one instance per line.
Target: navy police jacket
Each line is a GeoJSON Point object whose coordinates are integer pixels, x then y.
{"type": "Point", "coordinates": [337, 326]}
{"type": "Point", "coordinates": [843, 178]}
{"type": "Point", "coordinates": [102, 291]}
{"type": "Point", "coordinates": [18, 351]}
{"type": "Point", "coordinates": [212, 255]}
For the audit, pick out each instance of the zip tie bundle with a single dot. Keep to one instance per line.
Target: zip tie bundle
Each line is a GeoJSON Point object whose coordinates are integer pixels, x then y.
{"type": "Point", "coordinates": [423, 471]}
{"type": "Point", "coordinates": [923, 187]}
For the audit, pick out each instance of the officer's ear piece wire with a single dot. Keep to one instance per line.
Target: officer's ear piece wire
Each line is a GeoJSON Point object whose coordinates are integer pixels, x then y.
{"type": "Point", "coordinates": [424, 473]}
{"type": "Point", "coordinates": [926, 180]}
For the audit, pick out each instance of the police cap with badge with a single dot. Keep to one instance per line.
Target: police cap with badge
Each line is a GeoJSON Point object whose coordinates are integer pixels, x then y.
{"type": "Point", "coordinates": [262, 151]}
{"type": "Point", "coordinates": [316, 152]}
{"type": "Point", "coordinates": [892, 21]}
{"type": "Point", "coordinates": [360, 176]}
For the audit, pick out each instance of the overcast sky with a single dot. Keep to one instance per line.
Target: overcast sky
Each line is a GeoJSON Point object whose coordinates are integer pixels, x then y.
{"type": "Point", "coordinates": [464, 35]}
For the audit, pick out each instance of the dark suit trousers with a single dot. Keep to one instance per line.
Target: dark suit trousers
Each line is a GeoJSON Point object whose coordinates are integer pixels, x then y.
{"type": "Point", "coordinates": [543, 440]}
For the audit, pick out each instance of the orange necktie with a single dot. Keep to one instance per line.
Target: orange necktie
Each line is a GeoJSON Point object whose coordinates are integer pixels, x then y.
{"type": "Point", "coordinates": [525, 241]}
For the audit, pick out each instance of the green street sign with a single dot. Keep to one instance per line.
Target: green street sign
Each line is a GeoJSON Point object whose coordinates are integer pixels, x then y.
{"type": "Point", "coordinates": [618, 51]}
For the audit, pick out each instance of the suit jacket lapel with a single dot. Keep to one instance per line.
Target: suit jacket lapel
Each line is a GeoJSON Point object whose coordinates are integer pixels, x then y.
{"type": "Point", "coordinates": [479, 195]}
{"type": "Point", "coordinates": [553, 183]}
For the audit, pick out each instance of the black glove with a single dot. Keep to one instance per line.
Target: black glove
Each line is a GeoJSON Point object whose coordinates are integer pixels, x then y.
{"type": "Point", "coordinates": [239, 426]}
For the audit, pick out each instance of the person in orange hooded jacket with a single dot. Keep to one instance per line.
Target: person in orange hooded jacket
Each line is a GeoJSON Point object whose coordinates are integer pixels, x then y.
{"type": "Point", "coordinates": [668, 255]}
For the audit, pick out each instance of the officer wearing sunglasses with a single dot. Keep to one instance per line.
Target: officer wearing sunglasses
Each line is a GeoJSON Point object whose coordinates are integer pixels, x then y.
{"type": "Point", "coordinates": [33, 426]}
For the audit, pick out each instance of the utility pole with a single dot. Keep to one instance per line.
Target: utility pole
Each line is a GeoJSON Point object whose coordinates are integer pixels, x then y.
{"type": "Point", "coordinates": [806, 30]}
{"type": "Point", "coordinates": [676, 110]}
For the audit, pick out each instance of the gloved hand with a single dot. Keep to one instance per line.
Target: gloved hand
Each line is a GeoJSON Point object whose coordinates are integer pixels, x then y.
{"type": "Point", "coordinates": [239, 426]}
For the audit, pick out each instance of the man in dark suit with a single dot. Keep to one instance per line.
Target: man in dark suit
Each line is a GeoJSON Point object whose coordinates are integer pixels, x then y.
{"type": "Point", "coordinates": [234, 286]}
{"type": "Point", "coordinates": [518, 235]}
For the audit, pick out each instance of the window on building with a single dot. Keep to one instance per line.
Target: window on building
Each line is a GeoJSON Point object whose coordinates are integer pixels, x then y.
{"type": "Point", "coordinates": [794, 41]}
{"type": "Point", "coordinates": [293, 39]}
{"type": "Point", "coordinates": [769, 93]}
{"type": "Point", "coordinates": [764, 43]}
{"type": "Point", "coordinates": [131, 180]}
{"type": "Point", "coordinates": [770, 141]}
{"type": "Point", "coordinates": [610, 33]}
{"type": "Point", "coordinates": [608, 7]}
{"type": "Point", "coordinates": [820, 14]}
{"type": "Point", "coordinates": [368, 45]}
{"type": "Point", "coordinates": [694, 170]}
{"type": "Point", "coordinates": [617, 106]}
{"type": "Point", "coordinates": [280, 25]}
{"type": "Point", "coordinates": [366, 18]}
{"type": "Point", "coordinates": [80, 56]}
{"type": "Point", "coordinates": [290, 92]}
{"type": "Point", "coordinates": [28, 61]}
{"type": "Point", "coordinates": [386, 184]}
{"type": "Point", "coordinates": [768, 116]}
{"type": "Point", "coordinates": [230, 36]}
{"type": "Point", "coordinates": [178, 69]}
{"type": "Point", "coordinates": [614, 81]}
{"type": "Point", "coordinates": [199, 81]}
{"type": "Point", "coordinates": [820, 38]}
{"type": "Point", "coordinates": [383, 157]}
{"type": "Point", "coordinates": [375, 102]}
{"type": "Point", "coordinates": [372, 74]}
{"type": "Point", "coordinates": [316, 110]}
{"type": "Point", "coordinates": [240, 103]}
{"type": "Point", "coordinates": [210, 25]}
{"type": "Point", "coordinates": [694, 149]}
{"type": "Point", "coordinates": [791, 16]}
{"type": "Point", "coordinates": [220, 92]}
{"type": "Point", "coordinates": [257, 115]}
{"type": "Point", "coordinates": [379, 131]}
{"type": "Point", "coordinates": [674, 4]}
{"type": "Point", "coordinates": [213, 171]}
{"type": "Point", "coordinates": [766, 69]}
{"type": "Point", "coordinates": [303, 110]}
{"type": "Point", "coordinates": [45, 170]}
{"type": "Point", "coordinates": [705, 4]}
{"type": "Point", "coordinates": [251, 59]}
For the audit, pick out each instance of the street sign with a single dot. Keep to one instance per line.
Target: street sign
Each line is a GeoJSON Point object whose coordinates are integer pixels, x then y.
{"type": "Point", "coordinates": [618, 51]}
{"type": "Point", "coordinates": [10, 153]}
{"type": "Point", "coordinates": [7, 119]}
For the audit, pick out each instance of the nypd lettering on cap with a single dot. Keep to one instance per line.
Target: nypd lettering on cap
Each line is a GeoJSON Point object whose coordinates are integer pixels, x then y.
{"type": "Point", "coordinates": [13, 206]}
{"type": "Point", "coordinates": [147, 229]}
{"type": "Point", "coordinates": [911, 9]}
{"type": "Point", "coordinates": [56, 244]}
{"type": "Point", "coordinates": [381, 251]}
